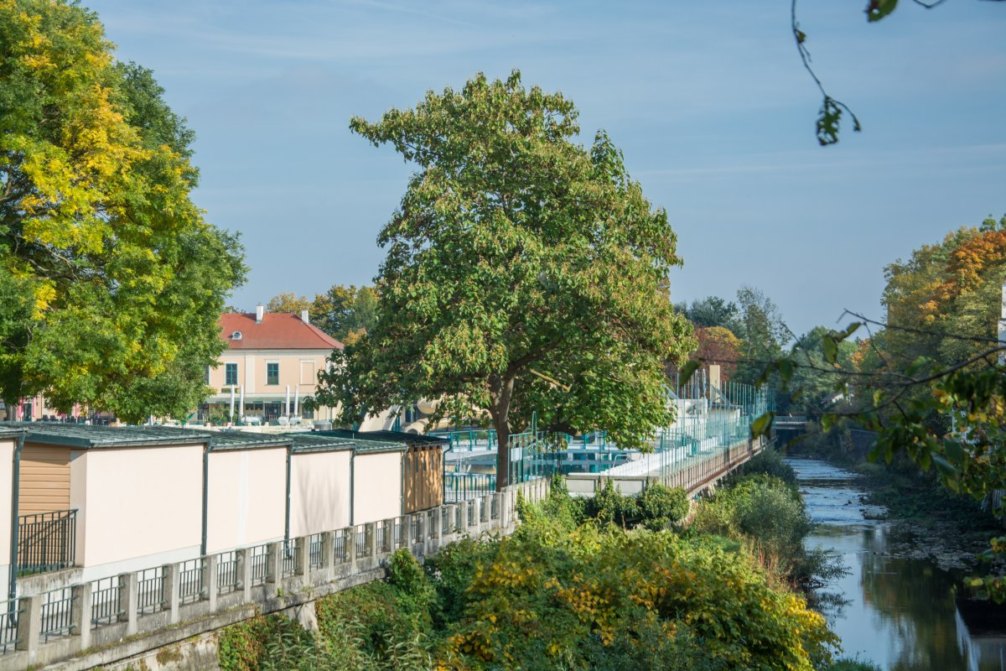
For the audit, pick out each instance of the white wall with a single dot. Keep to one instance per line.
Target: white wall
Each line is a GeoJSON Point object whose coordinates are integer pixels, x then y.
{"type": "Point", "coordinates": [6, 483]}
{"type": "Point", "coordinates": [377, 487]}
{"type": "Point", "coordinates": [137, 506]}
{"type": "Point", "coordinates": [247, 498]}
{"type": "Point", "coordinates": [319, 492]}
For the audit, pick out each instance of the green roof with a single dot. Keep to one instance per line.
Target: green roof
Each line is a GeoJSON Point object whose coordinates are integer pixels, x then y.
{"type": "Point", "coordinates": [9, 431]}
{"type": "Point", "coordinates": [86, 436]}
{"type": "Point", "coordinates": [244, 440]}
{"type": "Point", "coordinates": [364, 442]}
{"type": "Point", "coordinates": [316, 442]}
{"type": "Point", "coordinates": [388, 436]}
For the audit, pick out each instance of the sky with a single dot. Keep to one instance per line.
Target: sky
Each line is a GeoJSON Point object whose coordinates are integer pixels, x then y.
{"type": "Point", "coordinates": [708, 101]}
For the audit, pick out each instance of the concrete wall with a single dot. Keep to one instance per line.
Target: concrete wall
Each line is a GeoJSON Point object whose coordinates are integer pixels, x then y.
{"type": "Point", "coordinates": [6, 483]}
{"type": "Point", "coordinates": [137, 507]}
{"type": "Point", "coordinates": [319, 492]}
{"type": "Point", "coordinates": [246, 498]}
{"type": "Point", "coordinates": [377, 486]}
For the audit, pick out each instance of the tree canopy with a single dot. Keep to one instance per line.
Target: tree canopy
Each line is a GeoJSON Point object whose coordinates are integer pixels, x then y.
{"type": "Point", "coordinates": [344, 312]}
{"type": "Point", "coordinates": [125, 278]}
{"type": "Point", "coordinates": [524, 273]}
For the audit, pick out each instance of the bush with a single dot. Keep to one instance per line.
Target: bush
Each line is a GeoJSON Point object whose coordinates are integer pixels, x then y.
{"type": "Point", "coordinates": [846, 664]}
{"type": "Point", "coordinates": [656, 508]}
{"type": "Point", "coordinates": [661, 506]}
{"type": "Point", "coordinates": [603, 598]}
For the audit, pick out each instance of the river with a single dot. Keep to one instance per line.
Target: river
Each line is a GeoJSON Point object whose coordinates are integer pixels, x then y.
{"type": "Point", "coordinates": [898, 613]}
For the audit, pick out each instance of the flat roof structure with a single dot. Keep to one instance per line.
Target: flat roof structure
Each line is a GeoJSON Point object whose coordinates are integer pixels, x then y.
{"type": "Point", "coordinates": [315, 442]}
{"type": "Point", "coordinates": [245, 440]}
{"type": "Point", "coordinates": [386, 436]}
{"type": "Point", "coordinates": [366, 442]}
{"type": "Point", "coordinates": [85, 436]}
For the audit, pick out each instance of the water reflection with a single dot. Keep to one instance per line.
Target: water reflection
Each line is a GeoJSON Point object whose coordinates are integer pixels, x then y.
{"type": "Point", "coordinates": [898, 613]}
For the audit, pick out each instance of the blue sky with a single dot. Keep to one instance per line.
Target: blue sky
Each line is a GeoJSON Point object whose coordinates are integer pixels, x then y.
{"type": "Point", "coordinates": [708, 101]}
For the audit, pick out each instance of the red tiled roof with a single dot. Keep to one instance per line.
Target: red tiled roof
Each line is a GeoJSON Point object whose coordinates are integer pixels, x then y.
{"type": "Point", "coordinates": [278, 330]}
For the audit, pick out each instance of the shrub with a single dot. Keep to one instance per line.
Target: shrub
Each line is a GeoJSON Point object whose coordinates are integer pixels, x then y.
{"type": "Point", "coordinates": [660, 506]}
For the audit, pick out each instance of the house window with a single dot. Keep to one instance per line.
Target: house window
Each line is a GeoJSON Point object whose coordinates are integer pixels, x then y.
{"type": "Point", "coordinates": [272, 373]}
{"type": "Point", "coordinates": [231, 373]}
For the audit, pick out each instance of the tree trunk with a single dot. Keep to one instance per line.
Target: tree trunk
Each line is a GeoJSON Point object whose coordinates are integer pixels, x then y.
{"type": "Point", "coordinates": [502, 455]}
{"type": "Point", "coordinates": [501, 422]}
{"type": "Point", "coordinates": [11, 412]}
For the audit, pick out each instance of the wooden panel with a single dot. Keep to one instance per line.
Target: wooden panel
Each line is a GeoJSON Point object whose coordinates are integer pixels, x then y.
{"type": "Point", "coordinates": [424, 478]}
{"type": "Point", "coordinates": [45, 479]}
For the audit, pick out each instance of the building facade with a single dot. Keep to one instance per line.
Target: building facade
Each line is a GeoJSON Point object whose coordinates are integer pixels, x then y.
{"type": "Point", "coordinates": [269, 368]}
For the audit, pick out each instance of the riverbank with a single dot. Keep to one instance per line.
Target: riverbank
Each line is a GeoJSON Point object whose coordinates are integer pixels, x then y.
{"type": "Point", "coordinates": [926, 521]}
{"type": "Point", "coordinates": [894, 606]}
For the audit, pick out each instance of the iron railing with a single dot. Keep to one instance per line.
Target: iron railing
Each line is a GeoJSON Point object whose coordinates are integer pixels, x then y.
{"type": "Point", "coordinates": [190, 580]}
{"type": "Point", "coordinates": [259, 558]}
{"type": "Point", "coordinates": [150, 590]}
{"type": "Point", "coordinates": [341, 546]}
{"type": "Point", "coordinates": [227, 572]}
{"type": "Point", "coordinates": [8, 625]}
{"type": "Point", "coordinates": [46, 541]}
{"type": "Point", "coordinates": [106, 604]}
{"type": "Point", "coordinates": [57, 613]}
{"type": "Point", "coordinates": [315, 558]}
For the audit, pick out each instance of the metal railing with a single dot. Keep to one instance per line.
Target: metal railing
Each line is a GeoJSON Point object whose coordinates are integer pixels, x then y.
{"type": "Point", "coordinates": [190, 580]}
{"type": "Point", "coordinates": [57, 613]}
{"type": "Point", "coordinates": [150, 590]}
{"type": "Point", "coordinates": [8, 625]}
{"type": "Point", "coordinates": [227, 572]}
{"type": "Point", "coordinates": [92, 612]}
{"type": "Point", "coordinates": [259, 558]}
{"type": "Point", "coordinates": [46, 541]}
{"type": "Point", "coordinates": [341, 546]}
{"type": "Point", "coordinates": [106, 603]}
{"type": "Point", "coordinates": [314, 554]}
{"type": "Point", "coordinates": [289, 559]}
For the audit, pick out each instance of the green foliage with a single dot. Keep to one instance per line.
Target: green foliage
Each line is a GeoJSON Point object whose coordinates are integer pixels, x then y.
{"type": "Point", "coordinates": [658, 507]}
{"type": "Point", "coordinates": [712, 311]}
{"type": "Point", "coordinates": [524, 272]}
{"type": "Point", "coordinates": [661, 506]}
{"type": "Point", "coordinates": [594, 597]}
{"type": "Point", "coordinates": [345, 312]}
{"type": "Point", "coordinates": [768, 462]}
{"type": "Point", "coordinates": [375, 626]}
{"type": "Point", "coordinates": [451, 571]}
{"type": "Point", "coordinates": [125, 279]}
{"type": "Point", "coordinates": [556, 595]}
{"type": "Point", "coordinates": [765, 511]}
{"type": "Point", "coordinates": [243, 646]}
{"type": "Point", "coordinates": [846, 664]}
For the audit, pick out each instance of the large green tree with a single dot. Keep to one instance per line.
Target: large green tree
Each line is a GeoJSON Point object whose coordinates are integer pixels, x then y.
{"type": "Point", "coordinates": [125, 280]}
{"type": "Point", "coordinates": [524, 272]}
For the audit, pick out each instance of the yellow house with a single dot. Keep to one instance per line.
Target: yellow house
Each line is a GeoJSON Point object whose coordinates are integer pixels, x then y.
{"type": "Point", "coordinates": [270, 366]}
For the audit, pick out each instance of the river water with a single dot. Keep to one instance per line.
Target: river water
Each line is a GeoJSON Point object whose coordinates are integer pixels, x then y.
{"type": "Point", "coordinates": [898, 613]}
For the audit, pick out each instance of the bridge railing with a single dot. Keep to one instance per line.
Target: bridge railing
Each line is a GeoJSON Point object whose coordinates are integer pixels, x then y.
{"type": "Point", "coordinates": [71, 619]}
